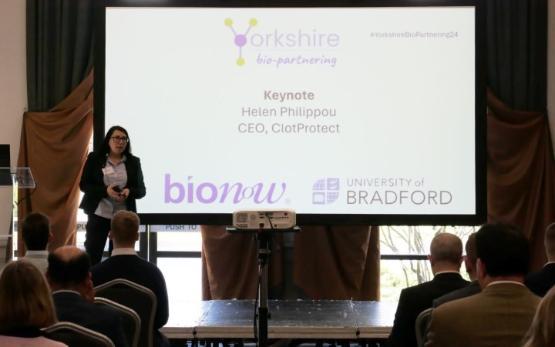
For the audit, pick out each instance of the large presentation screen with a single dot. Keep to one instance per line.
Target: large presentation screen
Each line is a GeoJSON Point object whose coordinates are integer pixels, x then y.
{"type": "Point", "coordinates": [342, 114]}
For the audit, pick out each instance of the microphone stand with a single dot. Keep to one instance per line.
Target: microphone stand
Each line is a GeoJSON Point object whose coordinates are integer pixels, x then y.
{"type": "Point", "coordinates": [264, 250]}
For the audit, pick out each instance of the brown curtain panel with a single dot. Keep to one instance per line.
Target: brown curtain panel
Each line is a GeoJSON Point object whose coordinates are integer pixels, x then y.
{"type": "Point", "coordinates": [329, 263]}
{"type": "Point", "coordinates": [230, 265]}
{"type": "Point", "coordinates": [54, 145]}
{"type": "Point", "coordinates": [339, 262]}
{"type": "Point", "coordinates": [521, 172]}
{"type": "Point", "coordinates": [229, 268]}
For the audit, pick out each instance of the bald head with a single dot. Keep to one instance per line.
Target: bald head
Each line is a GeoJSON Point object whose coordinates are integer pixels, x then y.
{"type": "Point", "coordinates": [446, 249]}
{"type": "Point", "coordinates": [68, 253]}
{"type": "Point", "coordinates": [125, 229]}
{"type": "Point", "coordinates": [550, 242]}
{"type": "Point", "coordinates": [68, 267]}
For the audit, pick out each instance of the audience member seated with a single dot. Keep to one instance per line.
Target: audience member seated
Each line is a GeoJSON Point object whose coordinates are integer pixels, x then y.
{"type": "Point", "coordinates": [124, 263]}
{"type": "Point", "coordinates": [540, 282]}
{"type": "Point", "coordinates": [470, 265]}
{"type": "Point", "coordinates": [26, 306]}
{"type": "Point", "coordinates": [445, 259]}
{"type": "Point", "coordinates": [542, 330]}
{"type": "Point", "coordinates": [502, 312]}
{"type": "Point", "coordinates": [35, 231]}
{"type": "Point", "coordinates": [70, 279]}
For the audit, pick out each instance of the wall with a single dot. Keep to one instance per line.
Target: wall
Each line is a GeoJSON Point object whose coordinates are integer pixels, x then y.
{"type": "Point", "coordinates": [13, 87]}
{"type": "Point", "coordinates": [13, 93]}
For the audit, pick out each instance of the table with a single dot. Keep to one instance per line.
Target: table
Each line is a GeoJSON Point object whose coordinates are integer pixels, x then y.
{"type": "Point", "coordinates": [292, 319]}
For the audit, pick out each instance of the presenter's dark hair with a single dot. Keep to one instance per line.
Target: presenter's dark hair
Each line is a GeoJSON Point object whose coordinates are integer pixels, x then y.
{"type": "Point", "coordinates": [105, 146]}
{"type": "Point", "coordinates": [68, 272]}
{"type": "Point", "coordinates": [503, 249]}
{"type": "Point", "coordinates": [35, 231]}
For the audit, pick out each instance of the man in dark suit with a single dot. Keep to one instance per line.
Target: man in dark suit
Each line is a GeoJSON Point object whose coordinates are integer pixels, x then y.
{"type": "Point", "coordinates": [124, 263]}
{"type": "Point", "coordinates": [445, 258]}
{"type": "Point", "coordinates": [70, 280]}
{"type": "Point", "coordinates": [501, 314]}
{"type": "Point", "coordinates": [470, 265]}
{"type": "Point", "coordinates": [541, 281]}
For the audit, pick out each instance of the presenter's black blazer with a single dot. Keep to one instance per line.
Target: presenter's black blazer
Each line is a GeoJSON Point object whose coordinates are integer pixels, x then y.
{"type": "Point", "coordinates": [92, 182]}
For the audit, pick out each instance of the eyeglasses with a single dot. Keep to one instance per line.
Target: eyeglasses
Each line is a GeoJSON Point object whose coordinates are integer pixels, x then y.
{"type": "Point", "coordinates": [119, 139]}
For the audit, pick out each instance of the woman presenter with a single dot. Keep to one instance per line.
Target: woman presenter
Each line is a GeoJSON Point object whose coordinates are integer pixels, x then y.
{"type": "Point", "coordinates": [112, 179]}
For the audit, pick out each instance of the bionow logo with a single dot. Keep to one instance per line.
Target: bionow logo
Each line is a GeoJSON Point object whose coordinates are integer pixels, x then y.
{"type": "Point", "coordinates": [325, 191]}
{"type": "Point", "coordinates": [240, 40]}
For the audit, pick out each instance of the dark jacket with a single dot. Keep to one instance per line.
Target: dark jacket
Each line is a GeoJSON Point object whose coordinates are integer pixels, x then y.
{"type": "Point", "coordinates": [92, 182]}
{"type": "Point", "coordinates": [140, 271]}
{"type": "Point", "coordinates": [414, 300]}
{"type": "Point", "coordinates": [71, 307]}
{"type": "Point", "coordinates": [471, 289]}
{"type": "Point", "coordinates": [541, 281]}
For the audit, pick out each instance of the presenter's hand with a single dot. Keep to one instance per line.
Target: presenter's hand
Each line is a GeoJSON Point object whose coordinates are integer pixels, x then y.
{"type": "Point", "coordinates": [111, 192]}
{"type": "Point", "coordinates": [125, 193]}
{"type": "Point", "coordinates": [117, 196]}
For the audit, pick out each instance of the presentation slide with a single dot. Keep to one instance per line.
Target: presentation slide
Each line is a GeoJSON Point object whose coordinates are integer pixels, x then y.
{"type": "Point", "coordinates": [366, 111]}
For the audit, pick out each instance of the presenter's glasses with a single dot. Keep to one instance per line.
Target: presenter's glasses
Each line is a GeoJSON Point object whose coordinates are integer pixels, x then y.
{"type": "Point", "coordinates": [119, 139]}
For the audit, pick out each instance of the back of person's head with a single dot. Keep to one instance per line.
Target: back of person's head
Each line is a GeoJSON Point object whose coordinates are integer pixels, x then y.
{"type": "Point", "coordinates": [503, 250]}
{"type": "Point", "coordinates": [542, 330]}
{"type": "Point", "coordinates": [35, 231]}
{"type": "Point", "coordinates": [549, 240]}
{"type": "Point", "coordinates": [125, 228]}
{"type": "Point", "coordinates": [25, 299]}
{"type": "Point", "coordinates": [471, 256]}
{"type": "Point", "coordinates": [68, 267]}
{"type": "Point", "coordinates": [446, 248]}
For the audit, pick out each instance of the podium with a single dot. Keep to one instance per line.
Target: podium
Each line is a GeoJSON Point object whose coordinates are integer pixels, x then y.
{"type": "Point", "coordinates": [12, 179]}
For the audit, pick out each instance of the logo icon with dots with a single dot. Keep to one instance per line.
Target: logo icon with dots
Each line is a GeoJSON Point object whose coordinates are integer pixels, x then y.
{"type": "Point", "coordinates": [240, 40]}
{"type": "Point", "coordinates": [325, 191]}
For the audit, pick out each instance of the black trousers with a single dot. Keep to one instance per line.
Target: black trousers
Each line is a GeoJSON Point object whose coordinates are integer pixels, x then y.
{"type": "Point", "coordinates": [95, 237]}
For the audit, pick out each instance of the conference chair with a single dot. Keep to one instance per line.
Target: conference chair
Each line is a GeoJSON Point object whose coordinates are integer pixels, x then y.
{"type": "Point", "coordinates": [75, 335]}
{"type": "Point", "coordinates": [131, 320]}
{"type": "Point", "coordinates": [421, 326]}
{"type": "Point", "coordinates": [138, 298]}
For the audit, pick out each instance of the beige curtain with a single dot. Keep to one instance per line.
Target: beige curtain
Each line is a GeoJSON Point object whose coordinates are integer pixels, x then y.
{"type": "Point", "coordinates": [54, 145]}
{"type": "Point", "coordinates": [520, 172]}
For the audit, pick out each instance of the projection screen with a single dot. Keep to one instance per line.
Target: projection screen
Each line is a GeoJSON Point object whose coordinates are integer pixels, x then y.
{"type": "Point", "coordinates": [346, 115]}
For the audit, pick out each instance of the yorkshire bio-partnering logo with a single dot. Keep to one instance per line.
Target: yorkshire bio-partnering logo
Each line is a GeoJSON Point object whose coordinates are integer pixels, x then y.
{"type": "Point", "coordinates": [325, 191]}
{"type": "Point", "coordinates": [192, 192]}
{"type": "Point", "coordinates": [240, 40]}
{"type": "Point", "coordinates": [279, 48]}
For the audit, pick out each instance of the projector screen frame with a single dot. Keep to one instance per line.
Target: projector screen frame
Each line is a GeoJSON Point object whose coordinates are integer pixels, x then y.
{"type": "Point", "coordinates": [315, 219]}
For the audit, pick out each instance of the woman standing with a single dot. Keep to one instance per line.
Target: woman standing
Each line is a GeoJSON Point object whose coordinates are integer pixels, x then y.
{"type": "Point", "coordinates": [112, 179]}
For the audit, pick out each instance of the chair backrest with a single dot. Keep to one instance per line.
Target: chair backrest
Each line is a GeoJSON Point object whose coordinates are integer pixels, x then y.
{"type": "Point", "coordinates": [131, 320]}
{"type": "Point", "coordinates": [75, 335]}
{"type": "Point", "coordinates": [139, 298]}
{"type": "Point", "coordinates": [421, 326]}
